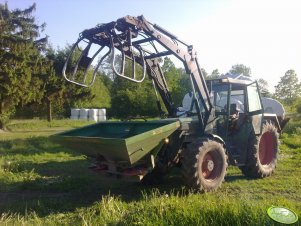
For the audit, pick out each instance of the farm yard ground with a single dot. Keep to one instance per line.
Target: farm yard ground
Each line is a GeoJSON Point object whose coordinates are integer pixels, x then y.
{"type": "Point", "coordinates": [42, 183]}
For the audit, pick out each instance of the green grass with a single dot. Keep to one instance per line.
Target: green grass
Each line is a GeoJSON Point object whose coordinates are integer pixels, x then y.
{"type": "Point", "coordinates": [42, 183]}
{"type": "Point", "coordinates": [42, 125]}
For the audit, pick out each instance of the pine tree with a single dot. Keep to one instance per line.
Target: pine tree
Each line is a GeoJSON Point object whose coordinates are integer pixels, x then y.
{"type": "Point", "coordinates": [21, 59]}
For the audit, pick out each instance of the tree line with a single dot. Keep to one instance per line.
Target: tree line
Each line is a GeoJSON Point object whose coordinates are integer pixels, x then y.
{"type": "Point", "coordinates": [31, 84]}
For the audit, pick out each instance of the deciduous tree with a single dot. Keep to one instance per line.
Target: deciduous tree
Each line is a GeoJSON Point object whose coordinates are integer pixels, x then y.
{"type": "Point", "coordinates": [263, 87]}
{"type": "Point", "coordinates": [288, 88]}
{"type": "Point", "coordinates": [214, 74]}
{"type": "Point", "coordinates": [56, 89]}
{"type": "Point", "coordinates": [238, 69]}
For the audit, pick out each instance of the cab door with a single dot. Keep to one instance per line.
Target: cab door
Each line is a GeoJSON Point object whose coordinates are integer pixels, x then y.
{"type": "Point", "coordinates": [254, 107]}
{"type": "Point", "coordinates": [221, 106]}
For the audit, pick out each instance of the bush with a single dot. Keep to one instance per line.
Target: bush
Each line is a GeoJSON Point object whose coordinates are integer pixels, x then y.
{"type": "Point", "coordinates": [298, 108]}
{"type": "Point", "coordinates": [293, 126]}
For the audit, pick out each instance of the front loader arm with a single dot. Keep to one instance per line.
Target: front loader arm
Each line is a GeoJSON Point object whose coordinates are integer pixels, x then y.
{"type": "Point", "coordinates": [156, 75]}
{"type": "Point", "coordinates": [142, 43]}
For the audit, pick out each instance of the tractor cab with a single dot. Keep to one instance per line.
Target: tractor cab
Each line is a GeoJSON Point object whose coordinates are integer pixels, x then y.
{"type": "Point", "coordinates": [235, 101]}
{"type": "Point", "coordinates": [238, 113]}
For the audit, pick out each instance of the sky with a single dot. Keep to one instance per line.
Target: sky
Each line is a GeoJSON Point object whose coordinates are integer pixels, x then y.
{"type": "Point", "coordinates": [264, 35]}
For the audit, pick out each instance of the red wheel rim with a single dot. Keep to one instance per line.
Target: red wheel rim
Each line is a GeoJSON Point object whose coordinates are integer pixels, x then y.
{"type": "Point", "coordinates": [211, 165]}
{"type": "Point", "coordinates": [266, 148]}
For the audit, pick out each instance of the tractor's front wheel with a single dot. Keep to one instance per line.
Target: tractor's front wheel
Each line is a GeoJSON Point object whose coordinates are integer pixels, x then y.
{"type": "Point", "coordinates": [204, 165]}
{"type": "Point", "coordinates": [262, 153]}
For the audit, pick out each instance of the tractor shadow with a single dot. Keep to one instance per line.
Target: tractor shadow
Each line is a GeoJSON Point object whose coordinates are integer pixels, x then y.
{"type": "Point", "coordinates": [66, 186]}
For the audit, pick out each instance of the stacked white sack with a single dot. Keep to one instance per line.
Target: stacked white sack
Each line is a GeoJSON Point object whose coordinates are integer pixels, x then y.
{"type": "Point", "coordinates": [83, 115]}
{"type": "Point", "coordinates": [74, 113]}
{"type": "Point", "coordinates": [93, 115]}
{"type": "Point", "coordinates": [102, 114]}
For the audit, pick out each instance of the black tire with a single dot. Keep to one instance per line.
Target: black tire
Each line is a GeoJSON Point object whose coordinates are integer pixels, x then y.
{"type": "Point", "coordinates": [204, 165]}
{"type": "Point", "coordinates": [262, 153]}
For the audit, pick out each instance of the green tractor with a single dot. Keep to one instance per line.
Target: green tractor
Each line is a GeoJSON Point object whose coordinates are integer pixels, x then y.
{"type": "Point", "coordinates": [221, 122]}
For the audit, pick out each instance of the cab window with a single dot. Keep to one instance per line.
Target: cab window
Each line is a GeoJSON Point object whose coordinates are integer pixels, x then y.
{"type": "Point", "coordinates": [254, 103]}
{"type": "Point", "coordinates": [237, 98]}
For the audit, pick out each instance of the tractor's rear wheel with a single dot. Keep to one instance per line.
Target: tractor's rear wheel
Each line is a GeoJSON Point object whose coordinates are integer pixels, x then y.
{"type": "Point", "coordinates": [204, 165]}
{"type": "Point", "coordinates": [262, 153]}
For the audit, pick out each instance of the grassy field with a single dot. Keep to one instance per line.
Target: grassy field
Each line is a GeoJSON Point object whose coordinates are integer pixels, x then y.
{"type": "Point", "coordinates": [42, 183]}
